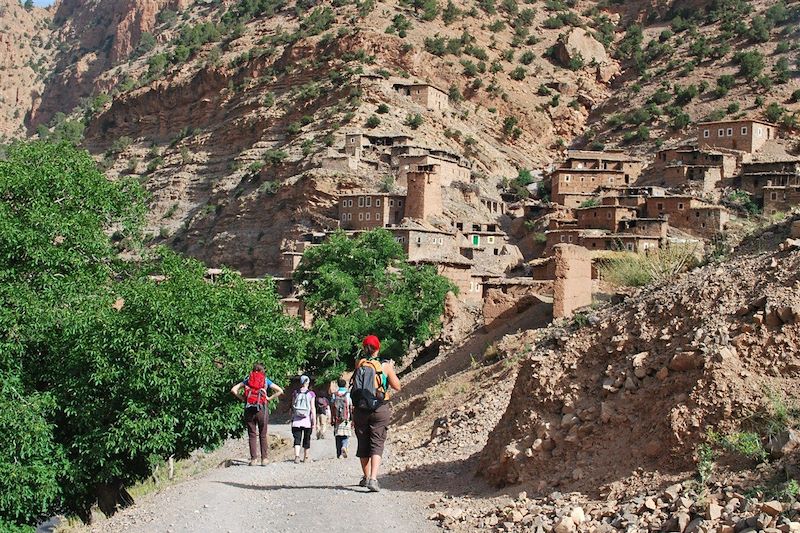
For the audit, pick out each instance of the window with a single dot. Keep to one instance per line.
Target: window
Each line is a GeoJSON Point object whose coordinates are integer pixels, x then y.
{"type": "Point", "coordinates": [759, 132]}
{"type": "Point", "coordinates": [476, 240]}
{"type": "Point", "coordinates": [490, 240]}
{"type": "Point", "coordinates": [721, 132]}
{"type": "Point", "coordinates": [419, 239]}
{"type": "Point", "coordinates": [706, 134]}
{"type": "Point", "coordinates": [399, 203]}
{"type": "Point", "coordinates": [360, 201]}
{"type": "Point", "coordinates": [595, 214]}
{"type": "Point", "coordinates": [611, 180]}
{"type": "Point", "coordinates": [391, 203]}
{"type": "Point", "coordinates": [566, 178]}
{"type": "Point", "coordinates": [377, 202]}
{"type": "Point", "coordinates": [730, 132]}
{"type": "Point", "coordinates": [680, 206]}
{"type": "Point", "coordinates": [369, 201]}
{"type": "Point", "coordinates": [744, 130]}
{"type": "Point", "coordinates": [377, 216]}
{"type": "Point", "coordinates": [608, 215]}
{"type": "Point", "coordinates": [579, 165]}
{"type": "Point", "coordinates": [569, 238]}
{"type": "Point", "coordinates": [660, 206]}
{"type": "Point", "coordinates": [629, 246]}
{"type": "Point", "coordinates": [441, 240]}
{"type": "Point", "coordinates": [471, 286]}
{"type": "Point", "coordinates": [344, 216]}
{"type": "Point", "coordinates": [349, 216]}
{"type": "Point", "coordinates": [697, 214]}
{"type": "Point", "coordinates": [366, 216]}
{"type": "Point", "coordinates": [773, 195]}
{"type": "Point", "coordinates": [583, 179]}
{"type": "Point", "coordinates": [361, 216]}
{"type": "Point", "coordinates": [562, 238]}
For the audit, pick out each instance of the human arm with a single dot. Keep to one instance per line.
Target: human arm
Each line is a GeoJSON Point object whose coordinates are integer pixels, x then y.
{"type": "Point", "coordinates": [277, 389]}
{"type": "Point", "coordinates": [236, 390]}
{"type": "Point", "coordinates": [313, 409]}
{"type": "Point", "coordinates": [391, 376]}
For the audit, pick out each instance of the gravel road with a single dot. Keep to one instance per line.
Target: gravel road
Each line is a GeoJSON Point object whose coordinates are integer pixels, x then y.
{"type": "Point", "coordinates": [319, 496]}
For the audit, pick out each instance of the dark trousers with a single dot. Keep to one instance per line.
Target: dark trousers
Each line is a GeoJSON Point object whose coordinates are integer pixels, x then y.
{"type": "Point", "coordinates": [302, 436]}
{"type": "Point", "coordinates": [257, 423]}
{"type": "Point", "coordinates": [341, 442]}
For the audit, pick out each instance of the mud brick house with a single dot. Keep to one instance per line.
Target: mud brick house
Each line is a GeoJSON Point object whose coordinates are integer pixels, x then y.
{"type": "Point", "coordinates": [357, 144]}
{"type": "Point", "coordinates": [607, 217]}
{"type": "Point", "coordinates": [780, 198]}
{"type": "Point", "coordinates": [363, 211]}
{"type": "Point", "coordinates": [459, 270]}
{"type": "Point", "coordinates": [625, 242]}
{"type": "Point", "coordinates": [689, 214]}
{"type": "Point", "coordinates": [650, 227]}
{"type": "Point", "coordinates": [695, 157]}
{"type": "Point", "coordinates": [575, 199]}
{"type": "Point", "coordinates": [700, 177]}
{"type": "Point", "coordinates": [776, 172]}
{"type": "Point", "coordinates": [421, 240]}
{"type": "Point", "coordinates": [451, 166]}
{"type": "Point", "coordinates": [424, 195]}
{"type": "Point", "coordinates": [425, 94]}
{"type": "Point", "coordinates": [745, 135]}
{"type": "Point", "coordinates": [585, 172]}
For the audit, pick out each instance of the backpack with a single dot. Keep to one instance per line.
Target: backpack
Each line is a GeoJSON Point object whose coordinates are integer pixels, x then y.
{"type": "Point", "coordinates": [368, 392]}
{"type": "Point", "coordinates": [340, 412]}
{"type": "Point", "coordinates": [255, 392]}
{"type": "Point", "coordinates": [301, 405]}
{"type": "Point", "coordinates": [322, 405]}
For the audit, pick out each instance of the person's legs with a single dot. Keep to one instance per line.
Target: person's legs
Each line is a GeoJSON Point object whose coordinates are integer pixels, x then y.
{"type": "Point", "coordinates": [297, 433]}
{"type": "Point", "coordinates": [252, 434]}
{"type": "Point", "coordinates": [365, 466]}
{"type": "Point", "coordinates": [263, 430]}
{"type": "Point", "coordinates": [306, 442]}
{"type": "Point", "coordinates": [345, 442]}
{"type": "Point", "coordinates": [338, 440]}
{"type": "Point", "coordinates": [378, 430]}
{"type": "Point", "coordinates": [374, 465]}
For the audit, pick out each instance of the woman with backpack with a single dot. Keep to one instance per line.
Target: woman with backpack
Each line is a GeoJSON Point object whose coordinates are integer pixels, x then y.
{"type": "Point", "coordinates": [256, 400]}
{"type": "Point", "coordinates": [303, 416]}
{"type": "Point", "coordinates": [341, 419]}
{"type": "Point", "coordinates": [373, 383]}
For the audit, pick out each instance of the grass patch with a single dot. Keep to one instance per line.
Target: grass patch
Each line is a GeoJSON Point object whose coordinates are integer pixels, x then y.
{"type": "Point", "coordinates": [637, 270]}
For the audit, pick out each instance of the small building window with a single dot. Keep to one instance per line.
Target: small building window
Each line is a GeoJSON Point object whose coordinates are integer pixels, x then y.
{"type": "Point", "coordinates": [569, 238]}
{"type": "Point", "coordinates": [349, 216]}
{"type": "Point", "coordinates": [730, 132]}
{"type": "Point", "coordinates": [344, 216]}
{"type": "Point", "coordinates": [441, 240]}
{"type": "Point", "coordinates": [697, 214]}
{"type": "Point", "coordinates": [759, 132]}
{"type": "Point", "coordinates": [377, 216]}
{"type": "Point", "coordinates": [744, 130]}
{"type": "Point", "coordinates": [773, 195]}
{"type": "Point", "coordinates": [611, 180]}
{"type": "Point", "coordinates": [660, 206]}
{"type": "Point", "coordinates": [476, 240]}
{"type": "Point", "coordinates": [360, 201]}
{"type": "Point", "coordinates": [680, 206]}
{"type": "Point", "coordinates": [377, 202]}
{"type": "Point", "coordinates": [490, 240]}
{"type": "Point", "coordinates": [419, 239]}
{"type": "Point", "coordinates": [562, 238]}
{"type": "Point", "coordinates": [721, 132]}
{"type": "Point", "coordinates": [369, 201]}
{"type": "Point", "coordinates": [608, 215]}
{"type": "Point", "coordinates": [706, 134]}
{"type": "Point", "coordinates": [399, 203]}
{"type": "Point", "coordinates": [367, 216]}
{"type": "Point", "coordinates": [361, 216]}
{"type": "Point", "coordinates": [567, 178]}
{"type": "Point", "coordinates": [629, 246]}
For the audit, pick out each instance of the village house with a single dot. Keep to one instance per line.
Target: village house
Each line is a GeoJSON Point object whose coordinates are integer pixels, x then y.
{"type": "Point", "coordinates": [702, 178]}
{"type": "Point", "coordinates": [746, 135]}
{"type": "Point", "coordinates": [689, 214]}
{"type": "Point", "coordinates": [775, 172]}
{"type": "Point", "coordinates": [424, 195]}
{"type": "Point", "coordinates": [364, 211]}
{"type": "Point", "coordinates": [451, 166]}
{"type": "Point", "coordinates": [692, 156]}
{"type": "Point", "coordinates": [425, 94]}
{"type": "Point", "coordinates": [421, 240]}
{"type": "Point", "coordinates": [607, 217]}
{"type": "Point", "coordinates": [584, 172]}
{"type": "Point", "coordinates": [358, 144]}
{"type": "Point", "coordinates": [780, 198]}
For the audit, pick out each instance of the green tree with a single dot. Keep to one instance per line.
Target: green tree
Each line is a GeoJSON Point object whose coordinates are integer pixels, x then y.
{"type": "Point", "coordinates": [750, 64]}
{"type": "Point", "coordinates": [364, 285]}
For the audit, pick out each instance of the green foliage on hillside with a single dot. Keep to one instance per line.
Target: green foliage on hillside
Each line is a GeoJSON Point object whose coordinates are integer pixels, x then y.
{"type": "Point", "coordinates": [363, 285]}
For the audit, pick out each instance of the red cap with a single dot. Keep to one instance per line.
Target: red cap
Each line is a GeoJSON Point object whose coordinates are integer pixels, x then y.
{"type": "Point", "coordinates": [372, 341]}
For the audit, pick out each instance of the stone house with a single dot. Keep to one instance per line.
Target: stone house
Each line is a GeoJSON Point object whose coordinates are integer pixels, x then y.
{"type": "Point", "coordinates": [610, 160]}
{"type": "Point", "coordinates": [623, 242]}
{"type": "Point", "coordinates": [651, 227]}
{"type": "Point", "coordinates": [583, 181]}
{"type": "Point", "coordinates": [364, 211]}
{"type": "Point", "coordinates": [607, 217]}
{"type": "Point", "coordinates": [457, 269]}
{"type": "Point", "coordinates": [574, 200]}
{"type": "Point", "coordinates": [691, 156]}
{"type": "Point", "coordinates": [702, 177]}
{"type": "Point", "coordinates": [451, 167]}
{"type": "Point", "coordinates": [777, 172]}
{"type": "Point", "coordinates": [420, 240]}
{"type": "Point", "coordinates": [424, 192]}
{"type": "Point", "coordinates": [357, 144]}
{"type": "Point", "coordinates": [689, 214]}
{"type": "Point", "coordinates": [780, 198]}
{"type": "Point", "coordinates": [425, 94]}
{"type": "Point", "coordinates": [746, 135]}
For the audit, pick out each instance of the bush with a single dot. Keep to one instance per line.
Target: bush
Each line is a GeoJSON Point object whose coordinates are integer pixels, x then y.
{"type": "Point", "coordinates": [436, 45]}
{"type": "Point", "coordinates": [382, 109]}
{"type": "Point", "coordinates": [518, 74]}
{"type": "Point", "coordinates": [733, 108]}
{"type": "Point", "coordinates": [660, 97]}
{"type": "Point", "coordinates": [751, 64]}
{"type": "Point", "coordinates": [680, 121]}
{"type": "Point", "coordinates": [275, 157]}
{"type": "Point", "coordinates": [774, 112]}
{"type": "Point", "coordinates": [373, 122]}
{"type": "Point", "coordinates": [795, 96]}
{"type": "Point", "coordinates": [454, 94]}
{"type": "Point", "coordinates": [637, 270]}
{"type": "Point", "coordinates": [414, 121]}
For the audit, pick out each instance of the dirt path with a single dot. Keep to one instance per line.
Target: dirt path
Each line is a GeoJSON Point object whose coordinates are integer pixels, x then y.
{"type": "Point", "coordinates": [283, 497]}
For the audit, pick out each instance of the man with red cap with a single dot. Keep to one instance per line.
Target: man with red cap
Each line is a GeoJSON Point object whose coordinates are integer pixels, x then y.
{"type": "Point", "coordinates": [373, 382]}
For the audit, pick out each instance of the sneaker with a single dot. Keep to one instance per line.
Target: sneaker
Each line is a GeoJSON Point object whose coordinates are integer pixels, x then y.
{"type": "Point", "coordinates": [363, 482]}
{"type": "Point", "coordinates": [297, 460]}
{"type": "Point", "coordinates": [264, 462]}
{"type": "Point", "coordinates": [373, 486]}
{"type": "Point", "coordinates": [253, 462]}
{"type": "Point", "coordinates": [344, 453]}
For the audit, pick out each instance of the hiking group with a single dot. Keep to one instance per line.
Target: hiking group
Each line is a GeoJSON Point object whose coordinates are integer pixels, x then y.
{"type": "Point", "coordinates": [362, 407]}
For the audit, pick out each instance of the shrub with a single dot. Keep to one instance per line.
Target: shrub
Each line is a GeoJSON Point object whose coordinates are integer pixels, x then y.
{"type": "Point", "coordinates": [414, 121]}
{"type": "Point", "coordinates": [527, 57]}
{"type": "Point", "coordinates": [774, 112]}
{"type": "Point", "coordinates": [373, 122]}
{"type": "Point", "coordinates": [518, 74]}
{"type": "Point", "coordinates": [750, 64]}
{"type": "Point", "coordinates": [436, 45]}
{"type": "Point", "coordinates": [684, 95]}
{"type": "Point", "coordinates": [382, 109]}
{"type": "Point", "coordinates": [660, 97]}
{"type": "Point", "coordinates": [733, 108]}
{"type": "Point", "coordinates": [455, 94]}
{"type": "Point", "coordinates": [636, 270]}
{"type": "Point", "coordinates": [450, 13]}
{"type": "Point", "coordinates": [275, 157]}
{"type": "Point", "coordinates": [680, 121]}
{"type": "Point", "coordinates": [795, 96]}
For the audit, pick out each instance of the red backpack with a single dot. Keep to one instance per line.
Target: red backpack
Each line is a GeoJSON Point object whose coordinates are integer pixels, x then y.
{"type": "Point", "coordinates": [255, 392]}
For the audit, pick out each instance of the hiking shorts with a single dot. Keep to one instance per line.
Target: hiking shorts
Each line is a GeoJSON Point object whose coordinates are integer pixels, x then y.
{"type": "Point", "coordinates": [302, 436]}
{"type": "Point", "coordinates": [371, 430]}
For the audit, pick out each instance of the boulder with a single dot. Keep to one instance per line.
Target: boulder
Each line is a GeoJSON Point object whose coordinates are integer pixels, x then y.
{"type": "Point", "coordinates": [579, 43]}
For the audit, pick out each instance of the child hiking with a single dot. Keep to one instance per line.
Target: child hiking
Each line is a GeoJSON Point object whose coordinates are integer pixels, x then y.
{"type": "Point", "coordinates": [303, 417]}
{"type": "Point", "coordinates": [254, 392]}
{"type": "Point", "coordinates": [323, 414]}
{"type": "Point", "coordinates": [373, 382]}
{"type": "Point", "coordinates": [341, 417]}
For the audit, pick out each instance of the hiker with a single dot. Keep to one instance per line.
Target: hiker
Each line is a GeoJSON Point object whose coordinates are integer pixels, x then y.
{"type": "Point", "coordinates": [341, 419]}
{"type": "Point", "coordinates": [256, 400]}
{"type": "Point", "coordinates": [323, 415]}
{"type": "Point", "coordinates": [373, 382]}
{"type": "Point", "coordinates": [303, 417]}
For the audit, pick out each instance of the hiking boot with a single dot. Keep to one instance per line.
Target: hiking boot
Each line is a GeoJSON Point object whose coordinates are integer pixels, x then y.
{"type": "Point", "coordinates": [373, 486]}
{"type": "Point", "coordinates": [297, 460]}
{"type": "Point", "coordinates": [363, 482]}
{"type": "Point", "coordinates": [253, 462]}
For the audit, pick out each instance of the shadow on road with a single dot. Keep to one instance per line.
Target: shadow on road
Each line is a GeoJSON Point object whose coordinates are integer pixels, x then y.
{"type": "Point", "coordinates": [247, 486]}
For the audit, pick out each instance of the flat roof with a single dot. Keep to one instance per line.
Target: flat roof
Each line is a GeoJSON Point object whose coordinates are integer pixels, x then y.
{"type": "Point", "coordinates": [606, 206]}
{"type": "Point", "coordinates": [372, 194]}
{"type": "Point", "coordinates": [759, 121]}
{"type": "Point", "coordinates": [610, 156]}
{"type": "Point", "coordinates": [589, 170]}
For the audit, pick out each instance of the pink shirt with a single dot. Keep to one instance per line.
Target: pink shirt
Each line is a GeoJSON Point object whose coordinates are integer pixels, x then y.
{"type": "Point", "coordinates": [305, 421]}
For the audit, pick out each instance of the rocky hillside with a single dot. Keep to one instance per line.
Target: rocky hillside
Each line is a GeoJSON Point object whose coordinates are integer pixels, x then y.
{"type": "Point", "coordinates": [225, 110]}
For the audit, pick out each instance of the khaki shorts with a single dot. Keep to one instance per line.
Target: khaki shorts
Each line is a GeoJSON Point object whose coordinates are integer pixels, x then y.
{"type": "Point", "coordinates": [371, 430]}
